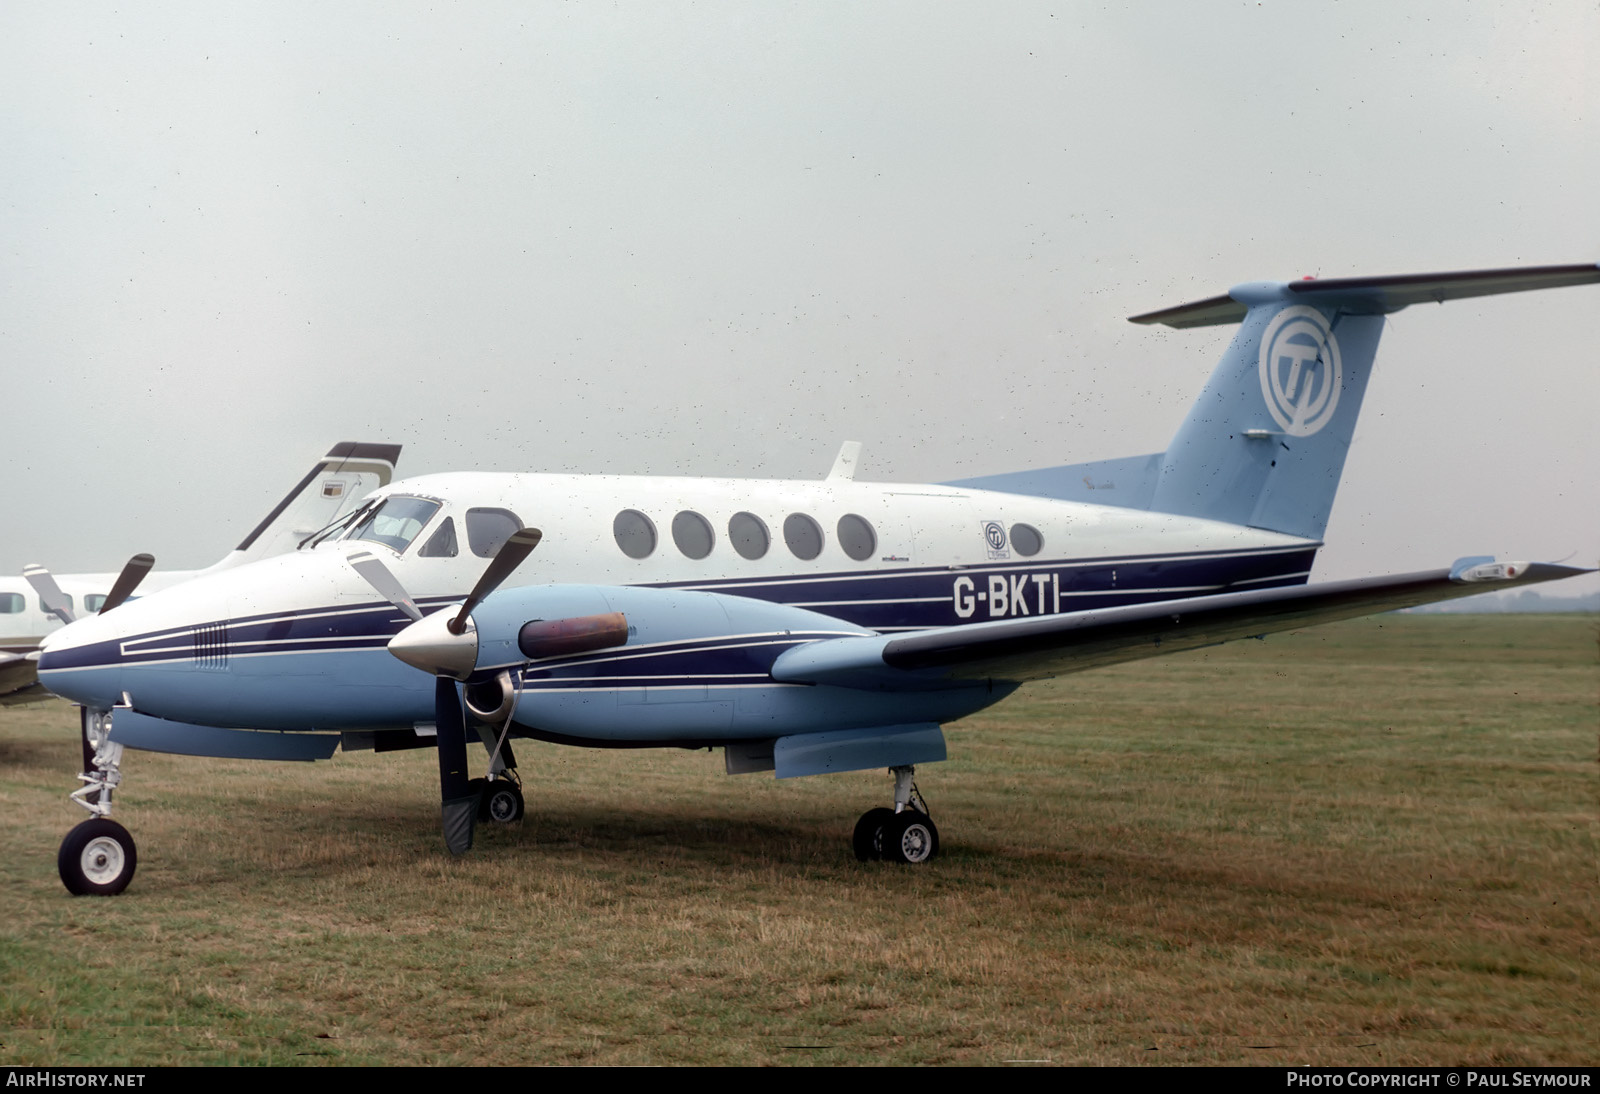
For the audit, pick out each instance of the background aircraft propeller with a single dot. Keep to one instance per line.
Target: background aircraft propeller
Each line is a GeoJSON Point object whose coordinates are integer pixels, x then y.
{"type": "Point", "coordinates": [51, 598]}
{"type": "Point", "coordinates": [54, 601]}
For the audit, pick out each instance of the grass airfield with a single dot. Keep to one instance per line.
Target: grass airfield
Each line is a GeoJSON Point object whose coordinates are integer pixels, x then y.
{"type": "Point", "coordinates": [1371, 843]}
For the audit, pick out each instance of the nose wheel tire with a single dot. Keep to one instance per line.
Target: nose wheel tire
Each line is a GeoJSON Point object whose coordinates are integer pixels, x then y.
{"type": "Point", "coordinates": [97, 858]}
{"type": "Point", "coordinates": [502, 802]}
{"type": "Point", "coordinates": [909, 838]}
{"type": "Point", "coordinates": [868, 838]}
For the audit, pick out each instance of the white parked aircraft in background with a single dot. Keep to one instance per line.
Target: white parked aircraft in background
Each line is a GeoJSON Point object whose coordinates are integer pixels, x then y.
{"type": "Point", "coordinates": [802, 627]}
{"type": "Point", "coordinates": [38, 602]}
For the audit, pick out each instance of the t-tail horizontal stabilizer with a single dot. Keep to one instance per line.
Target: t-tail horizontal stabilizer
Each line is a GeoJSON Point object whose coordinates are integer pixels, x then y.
{"type": "Point", "coordinates": [1055, 645]}
{"type": "Point", "coordinates": [1265, 443]}
{"type": "Point", "coordinates": [1372, 295]}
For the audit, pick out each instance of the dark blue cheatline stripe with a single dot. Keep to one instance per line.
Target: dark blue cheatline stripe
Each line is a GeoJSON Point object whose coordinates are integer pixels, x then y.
{"type": "Point", "coordinates": [902, 600]}
{"type": "Point", "coordinates": [931, 597]}
{"type": "Point", "coordinates": [364, 626]}
{"type": "Point", "coordinates": [352, 627]}
{"type": "Point", "coordinates": [727, 584]}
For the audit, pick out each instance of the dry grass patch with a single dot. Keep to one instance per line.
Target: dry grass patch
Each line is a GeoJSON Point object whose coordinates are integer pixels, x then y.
{"type": "Point", "coordinates": [1368, 843]}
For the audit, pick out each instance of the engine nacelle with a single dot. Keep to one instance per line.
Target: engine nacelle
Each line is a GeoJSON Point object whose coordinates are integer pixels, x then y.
{"type": "Point", "coordinates": [546, 623]}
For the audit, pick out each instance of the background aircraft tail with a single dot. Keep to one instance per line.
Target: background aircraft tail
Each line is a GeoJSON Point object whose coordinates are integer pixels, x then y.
{"type": "Point", "coordinates": [347, 473]}
{"type": "Point", "coordinates": [1265, 443]}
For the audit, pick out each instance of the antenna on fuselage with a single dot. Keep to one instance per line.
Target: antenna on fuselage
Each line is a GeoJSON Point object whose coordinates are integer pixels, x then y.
{"type": "Point", "coordinates": [846, 462]}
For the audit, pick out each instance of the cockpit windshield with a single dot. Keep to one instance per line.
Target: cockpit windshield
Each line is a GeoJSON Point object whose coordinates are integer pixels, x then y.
{"type": "Point", "coordinates": [336, 527]}
{"type": "Point", "coordinates": [396, 522]}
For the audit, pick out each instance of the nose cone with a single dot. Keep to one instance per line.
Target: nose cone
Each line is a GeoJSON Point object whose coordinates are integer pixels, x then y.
{"type": "Point", "coordinates": [428, 645]}
{"type": "Point", "coordinates": [83, 662]}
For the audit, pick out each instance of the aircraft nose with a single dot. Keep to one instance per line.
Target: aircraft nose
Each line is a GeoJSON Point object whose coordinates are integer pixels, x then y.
{"type": "Point", "coordinates": [82, 662]}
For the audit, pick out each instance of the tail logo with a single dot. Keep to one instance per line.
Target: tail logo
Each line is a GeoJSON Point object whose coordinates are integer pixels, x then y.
{"type": "Point", "coordinates": [1300, 374]}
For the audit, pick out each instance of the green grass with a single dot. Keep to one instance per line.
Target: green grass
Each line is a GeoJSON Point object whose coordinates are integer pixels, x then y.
{"type": "Point", "coordinates": [1373, 843]}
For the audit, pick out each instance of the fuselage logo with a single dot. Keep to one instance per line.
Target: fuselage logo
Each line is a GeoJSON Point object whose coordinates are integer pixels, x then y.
{"type": "Point", "coordinates": [1300, 372]}
{"type": "Point", "coordinates": [994, 534]}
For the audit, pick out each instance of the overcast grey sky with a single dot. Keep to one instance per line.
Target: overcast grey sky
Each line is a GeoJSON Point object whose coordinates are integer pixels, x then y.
{"type": "Point", "coordinates": [721, 238]}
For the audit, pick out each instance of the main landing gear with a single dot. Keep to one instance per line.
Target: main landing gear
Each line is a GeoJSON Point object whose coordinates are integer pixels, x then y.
{"type": "Point", "coordinates": [98, 857]}
{"type": "Point", "coordinates": [904, 834]}
{"type": "Point", "coordinates": [499, 800]}
{"type": "Point", "coordinates": [499, 795]}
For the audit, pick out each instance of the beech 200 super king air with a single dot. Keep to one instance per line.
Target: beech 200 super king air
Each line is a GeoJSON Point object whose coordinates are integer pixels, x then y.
{"type": "Point", "coordinates": [801, 627]}
{"type": "Point", "coordinates": [38, 602]}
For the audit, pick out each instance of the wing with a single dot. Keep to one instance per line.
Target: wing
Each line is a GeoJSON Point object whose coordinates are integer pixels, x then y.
{"type": "Point", "coordinates": [1054, 645]}
{"type": "Point", "coordinates": [19, 680]}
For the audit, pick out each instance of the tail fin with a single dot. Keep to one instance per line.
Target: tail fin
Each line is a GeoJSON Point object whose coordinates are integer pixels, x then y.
{"type": "Point", "coordinates": [348, 472]}
{"type": "Point", "coordinates": [1265, 443]}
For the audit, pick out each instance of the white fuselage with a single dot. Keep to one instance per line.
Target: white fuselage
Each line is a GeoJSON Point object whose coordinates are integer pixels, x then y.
{"type": "Point", "coordinates": [285, 641]}
{"type": "Point", "coordinates": [934, 561]}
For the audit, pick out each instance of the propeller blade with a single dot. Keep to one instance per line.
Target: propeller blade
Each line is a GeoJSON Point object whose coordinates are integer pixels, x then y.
{"type": "Point", "coordinates": [51, 598]}
{"type": "Point", "coordinates": [458, 802]}
{"type": "Point", "coordinates": [370, 567]}
{"type": "Point", "coordinates": [127, 581]}
{"type": "Point", "coordinates": [510, 556]}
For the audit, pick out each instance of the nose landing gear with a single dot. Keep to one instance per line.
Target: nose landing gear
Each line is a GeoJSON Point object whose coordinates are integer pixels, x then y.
{"type": "Point", "coordinates": [98, 857]}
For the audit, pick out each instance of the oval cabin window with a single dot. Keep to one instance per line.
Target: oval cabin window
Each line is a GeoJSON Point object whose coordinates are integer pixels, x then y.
{"type": "Point", "coordinates": [634, 533]}
{"type": "Point", "coordinates": [1026, 540]}
{"type": "Point", "coordinates": [856, 537]}
{"type": "Point", "coordinates": [749, 536]}
{"type": "Point", "coordinates": [692, 533]}
{"type": "Point", "coordinates": [803, 535]}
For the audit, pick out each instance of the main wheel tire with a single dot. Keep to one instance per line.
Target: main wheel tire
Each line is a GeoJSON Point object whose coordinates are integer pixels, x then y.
{"type": "Point", "coordinates": [909, 838]}
{"type": "Point", "coordinates": [868, 837]}
{"type": "Point", "coordinates": [502, 802]}
{"type": "Point", "coordinates": [97, 858]}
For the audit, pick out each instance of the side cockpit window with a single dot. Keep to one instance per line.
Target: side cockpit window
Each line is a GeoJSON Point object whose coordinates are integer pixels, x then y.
{"type": "Point", "coordinates": [488, 529]}
{"type": "Point", "coordinates": [396, 522]}
{"type": "Point", "coordinates": [442, 544]}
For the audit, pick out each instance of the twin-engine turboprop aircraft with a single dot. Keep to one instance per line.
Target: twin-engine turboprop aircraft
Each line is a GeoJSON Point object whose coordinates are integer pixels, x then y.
{"type": "Point", "coordinates": [38, 602]}
{"type": "Point", "coordinates": [802, 627]}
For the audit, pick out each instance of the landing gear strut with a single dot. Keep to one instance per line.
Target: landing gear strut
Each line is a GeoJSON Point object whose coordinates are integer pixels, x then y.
{"type": "Point", "coordinates": [904, 834]}
{"type": "Point", "coordinates": [98, 857]}
{"type": "Point", "coordinates": [499, 795]}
